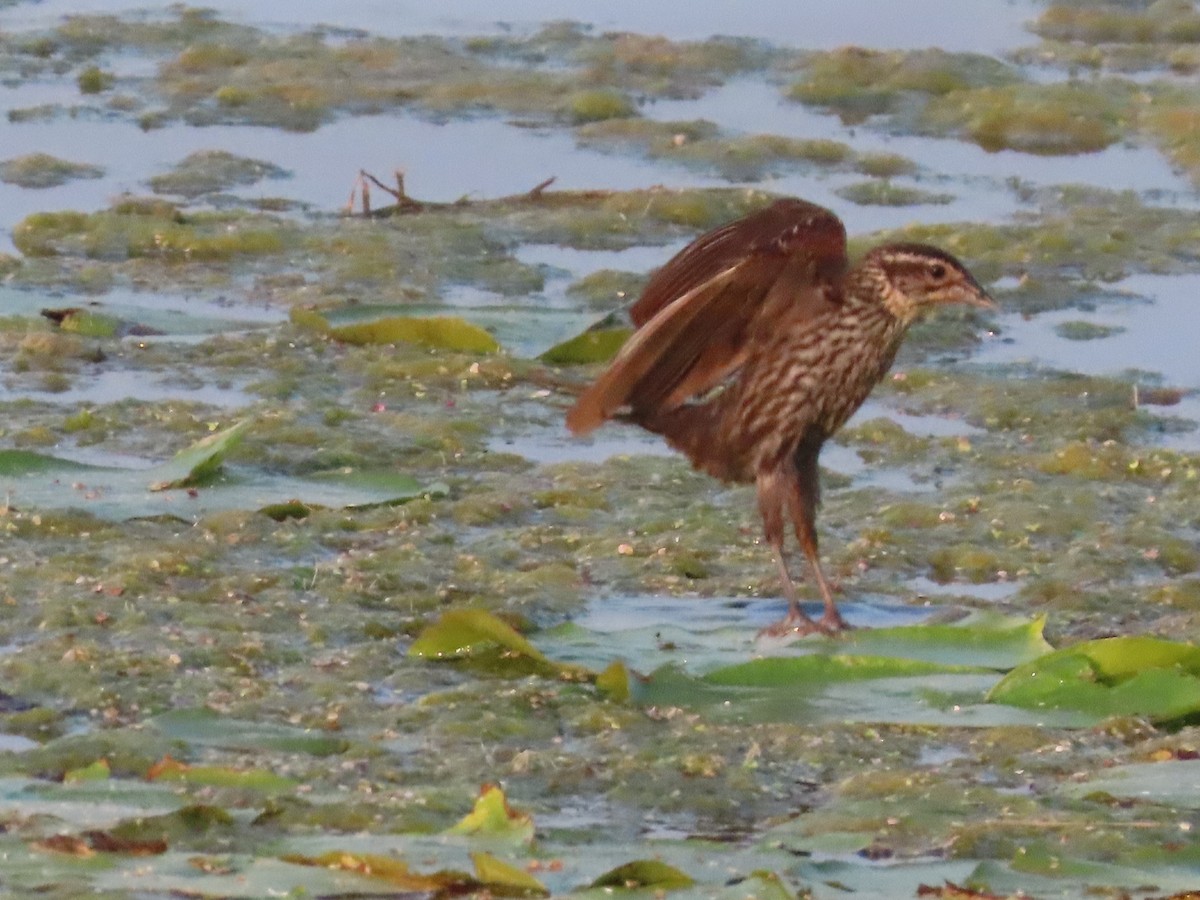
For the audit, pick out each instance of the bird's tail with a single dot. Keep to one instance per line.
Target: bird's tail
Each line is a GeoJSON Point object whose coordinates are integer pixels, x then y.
{"type": "Point", "coordinates": [690, 429]}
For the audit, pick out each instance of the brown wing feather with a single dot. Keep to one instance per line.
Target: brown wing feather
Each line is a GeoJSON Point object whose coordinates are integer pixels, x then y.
{"type": "Point", "coordinates": [641, 355]}
{"type": "Point", "coordinates": [778, 228]}
{"type": "Point", "coordinates": [705, 303]}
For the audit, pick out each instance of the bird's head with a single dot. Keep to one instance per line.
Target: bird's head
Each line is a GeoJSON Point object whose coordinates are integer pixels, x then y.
{"type": "Point", "coordinates": [917, 277]}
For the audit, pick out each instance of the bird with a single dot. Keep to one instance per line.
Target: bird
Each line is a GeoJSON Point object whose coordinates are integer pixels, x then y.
{"type": "Point", "coordinates": [754, 344]}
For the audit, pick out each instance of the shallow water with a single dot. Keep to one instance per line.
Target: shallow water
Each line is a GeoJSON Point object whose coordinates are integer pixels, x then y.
{"type": "Point", "coordinates": [975, 25]}
{"type": "Point", "coordinates": [278, 642]}
{"type": "Point", "coordinates": [487, 156]}
{"type": "Point", "coordinates": [1151, 312]}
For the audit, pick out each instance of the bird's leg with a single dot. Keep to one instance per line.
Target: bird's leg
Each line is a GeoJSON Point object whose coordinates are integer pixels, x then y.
{"type": "Point", "coordinates": [770, 503]}
{"type": "Point", "coordinates": [803, 498]}
{"type": "Point", "coordinates": [831, 621]}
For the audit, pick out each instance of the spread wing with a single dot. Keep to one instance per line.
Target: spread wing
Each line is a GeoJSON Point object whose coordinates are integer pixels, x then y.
{"type": "Point", "coordinates": [699, 313]}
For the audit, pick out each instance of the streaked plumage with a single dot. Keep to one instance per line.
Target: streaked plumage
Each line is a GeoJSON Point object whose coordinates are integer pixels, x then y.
{"type": "Point", "coordinates": [755, 343]}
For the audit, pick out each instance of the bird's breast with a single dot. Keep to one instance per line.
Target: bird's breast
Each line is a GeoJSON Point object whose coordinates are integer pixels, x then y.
{"type": "Point", "coordinates": [809, 377]}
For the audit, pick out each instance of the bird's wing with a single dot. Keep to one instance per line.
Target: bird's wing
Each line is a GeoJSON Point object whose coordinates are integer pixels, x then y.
{"type": "Point", "coordinates": [700, 311]}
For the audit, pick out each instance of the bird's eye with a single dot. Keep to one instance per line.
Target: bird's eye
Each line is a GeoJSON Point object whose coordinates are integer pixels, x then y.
{"type": "Point", "coordinates": [938, 271]}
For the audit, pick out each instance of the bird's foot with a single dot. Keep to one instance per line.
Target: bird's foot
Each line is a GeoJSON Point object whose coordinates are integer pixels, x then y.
{"type": "Point", "coordinates": [800, 625]}
{"type": "Point", "coordinates": [832, 623]}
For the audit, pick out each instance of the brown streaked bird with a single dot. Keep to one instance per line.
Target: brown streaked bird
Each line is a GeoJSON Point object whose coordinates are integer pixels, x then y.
{"type": "Point", "coordinates": [755, 343]}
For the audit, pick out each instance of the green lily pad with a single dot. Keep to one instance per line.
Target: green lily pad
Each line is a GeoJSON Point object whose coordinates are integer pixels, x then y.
{"type": "Point", "coordinates": [796, 672]}
{"type": "Point", "coordinates": [479, 636]}
{"type": "Point", "coordinates": [592, 346]}
{"type": "Point", "coordinates": [441, 332]}
{"type": "Point", "coordinates": [984, 641]}
{"type": "Point", "coordinates": [613, 682]}
{"type": "Point", "coordinates": [198, 463]}
{"type": "Point", "coordinates": [389, 870]}
{"type": "Point", "coordinates": [760, 884]}
{"type": "Point", "coordinates": [97, 771]}
{"type": "Point", "coordinates": [523, 329]}
{"type": "Point", "coordinates": [19, 463]}
{"type": "Point", "coordinates": [503, 880]}
{"type": "Point", "coordinates": [644, 873]}
{"type": "Point", "coordinates": [1123, 676]}
{"type": "Point", "coordinates": [1174, 781]}
{"type": "Point", "coordinates": [194, 483]}
{"type": "Point", "coordinates": [493, 817]}
{"type": "Point", "coordinates": [1037, 871]}
{"type": "Point", "coordinates": [205, 727]}
{"type": "Point", "coordinates": [221, 776]}
{"type": "Point", "coordinates": [84, 322]}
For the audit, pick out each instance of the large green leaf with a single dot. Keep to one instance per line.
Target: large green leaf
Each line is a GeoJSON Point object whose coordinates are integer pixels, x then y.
{"type": "Point", "coordinates": [492, 817]}
{"type": "Point", "coordinates": [203, 726]}
{"type": "Point", "coordinates": [159, 313]}
{"type": "Point", "coordinates": [592, 346]}
{"type": "Point", "coordinates": [1137, 676]}
{"type": "Point", "coordinates": [525, 330]}
{"type": "Point", "coordinates": [198, 463]}
{"type": "Point", "coordinates": [504, 880]}
{"type": "Point", "coordinates": [480, 637]}
{"type": "Point", "coordinates": [193, 483]}
{"type": "Point", "coordinates": [1175, 782]}
{"type": "Point", "coordinates": [442, 332]}
{"type": "Point", "coordinates": [799, 672]}
{"type": "Point", "coordinates": [644, 873]}
{"type": "Point", "coordinates": [989, 641]}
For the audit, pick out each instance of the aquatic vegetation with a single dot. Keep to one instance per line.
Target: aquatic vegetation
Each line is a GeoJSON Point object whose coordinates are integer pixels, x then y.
{"type": "Point", "coordinates": [1174, 122]}
{"type": "Point", "coordinates": [1046, 119]}
{"type": "Point", "coordinates": [126, 232]}
{"type": "Point", "coordinates": [209, 171]}
{"type": "Point", "coordinates": [596, 106]}
{"type": "Point", "coordinates": [94, 80]}
{"type": "Point", "coordinates": [606, 289]}
{"type": "Point", "coordinates": [183, 675]}
{"type": "Point", "coordinates": [881, 192]}
{"type": "Point", "coordinates": [736, 157]}
{"type": "Point", "coordinates": [1172, 21]}
{"type": "Point", "coordinates": [1086, 331]}
{"type": "Point", "coordinates": [41, 170]}
{"type": "Point", "coordinates": [857, 82]}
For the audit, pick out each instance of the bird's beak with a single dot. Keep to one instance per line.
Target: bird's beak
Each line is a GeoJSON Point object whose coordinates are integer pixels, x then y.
{"type": "Point", "coordinates": [983, 300]}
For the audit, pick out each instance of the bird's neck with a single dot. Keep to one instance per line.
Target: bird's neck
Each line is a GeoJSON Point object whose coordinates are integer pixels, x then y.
{"type": "Point", "coordinates": [867, 284]}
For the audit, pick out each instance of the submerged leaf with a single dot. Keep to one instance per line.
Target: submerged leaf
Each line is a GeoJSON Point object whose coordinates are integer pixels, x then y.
{"type": "Point", "coordinates": [17, 463]}
{"type": "Point", "coordinates": [33, 480]}
{"type": "Point", "coordinates": [205, 727]}
{"type": "Point", "coordinates": [441, 332]}
{"type": "Point", "coordinates": [183, 823]}
{"type": "Point", "coordinates": [1175, 782]}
